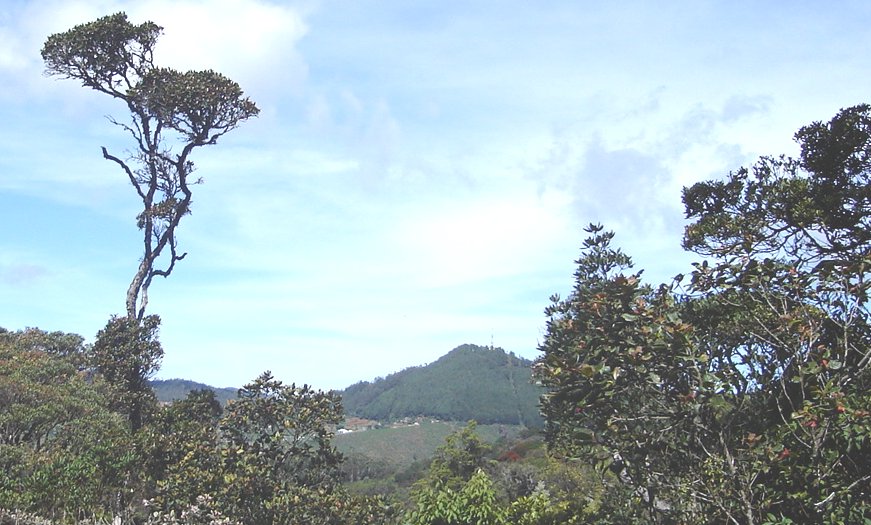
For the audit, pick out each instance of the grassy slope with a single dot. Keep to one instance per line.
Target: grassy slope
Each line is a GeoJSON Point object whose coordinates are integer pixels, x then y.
{"type": "Point", "coordinates": [400, 447]}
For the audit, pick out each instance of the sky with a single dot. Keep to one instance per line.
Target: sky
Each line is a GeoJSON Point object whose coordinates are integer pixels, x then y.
{"type": "Point", "coordinates": [419, 176]}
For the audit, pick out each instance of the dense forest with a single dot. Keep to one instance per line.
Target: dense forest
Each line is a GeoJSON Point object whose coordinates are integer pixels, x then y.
{"type": "Point", "coordinates": [739, 393]}
{"type": "Point", "coordinates": [470, 382]}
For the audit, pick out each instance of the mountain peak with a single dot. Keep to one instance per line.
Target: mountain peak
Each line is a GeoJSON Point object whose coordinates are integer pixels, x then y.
{"type": "Point", "coordinates": [469, 382]}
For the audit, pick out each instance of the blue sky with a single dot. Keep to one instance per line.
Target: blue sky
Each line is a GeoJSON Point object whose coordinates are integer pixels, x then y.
{"type": "Point", "coordinates": [419, 175]}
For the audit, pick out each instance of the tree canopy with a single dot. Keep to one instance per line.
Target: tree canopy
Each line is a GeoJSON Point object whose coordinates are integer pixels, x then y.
{"type": "Point", "coordinates": [741, 396]}
{"type": "Point", "coordinates": [171, 114]}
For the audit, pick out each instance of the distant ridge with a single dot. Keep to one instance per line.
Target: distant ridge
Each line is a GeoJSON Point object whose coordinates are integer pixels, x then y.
{"type": "Point", "coordinates": [168, 390]}
{"type": "Point", "coordinates": [470, 382]}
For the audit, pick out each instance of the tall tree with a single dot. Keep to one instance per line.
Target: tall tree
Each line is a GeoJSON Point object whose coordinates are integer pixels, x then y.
{"type": "Point", "coordinates": [171, 114]}
{"type": "Point", "coordinates": [790, 241]}
{"type": "Point", "coordinates": [617, 366]}
{"type": "Point", "coordinates": [743, 396]}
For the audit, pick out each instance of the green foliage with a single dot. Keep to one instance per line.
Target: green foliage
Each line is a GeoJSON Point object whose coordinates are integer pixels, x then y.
{"type": "Point", "coordinates": [182, 453]}
{"type": "Point", "coordinates": [39, 395]}
{"type": "Point", "coordinates": [557, 492]}
{"type": "Point", "coordinates": [287, 424]}
{"type": "Point", "coordinates": [540, 508]}
{"type": "Point", "coordinates": [799, 269]}
{"type": "Point", "coordinates": [68, 451]}
{"type": "Point", "coordinates": [107, 54]}
{"type": "Point", "coordinates": [61, 344]}
{"type": "Point", "coordinates": [388, 461]}
{"type": "Point", "coordinates": [126, 353]}
{"type": "Point", "coordinates": [474, 503]}
{"type": "Point", "coordinates": [745, 395]}
{"type": "Point", "coordinates": [277, 449]}
{"type": "Point", "coordinates": [203, 511]}
{"type": "Point", "coordinates": [267, 458]}
{"type": "Point", "coordinates": [456, 490]}
{"type": "Point", "coordinates": [470, 382]}
{"type": "Point", "coordinates": [167, 108]}
{"type": "Point", "coordinates": [64, 453]}
{"type": "Point", "coordinates": [617, 353]}
{"type": "Point", "coordinates": [85, 473]}
{"type": "Point", "coordinates": [368, 511]}
{"type": "Point", "coordinates": [196, 104]}
{"type": "Point", "coordinates": [464, 485]}
{"type": "Point", "coordinates": [456, 461]}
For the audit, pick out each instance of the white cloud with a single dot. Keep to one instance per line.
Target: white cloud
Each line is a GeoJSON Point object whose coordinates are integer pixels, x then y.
{"type": "Point", "coordinates": [458, 242]}
{"type": "Point", "coordinates": [254, 42]}
{"type": "Point", "coordinates": [12, 56]}
{"type": "Point", "coordinates": [251, 41]}
{"type": "Point", "coordinates": [24, 26]}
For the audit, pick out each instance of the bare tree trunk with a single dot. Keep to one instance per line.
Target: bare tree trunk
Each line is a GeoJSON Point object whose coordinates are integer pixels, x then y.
{"type": "Point", "coordinates": [134, 289]}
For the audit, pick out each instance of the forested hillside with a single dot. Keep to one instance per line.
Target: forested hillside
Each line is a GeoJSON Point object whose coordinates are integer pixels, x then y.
{"type": "Point", "coordinates": [470, 382]}
{"type": "Point", "coordinates": [168, 390]}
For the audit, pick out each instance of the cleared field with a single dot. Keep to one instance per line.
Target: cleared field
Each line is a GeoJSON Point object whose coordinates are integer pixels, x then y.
{"type": "Point", "coordinates": [401, 446]}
